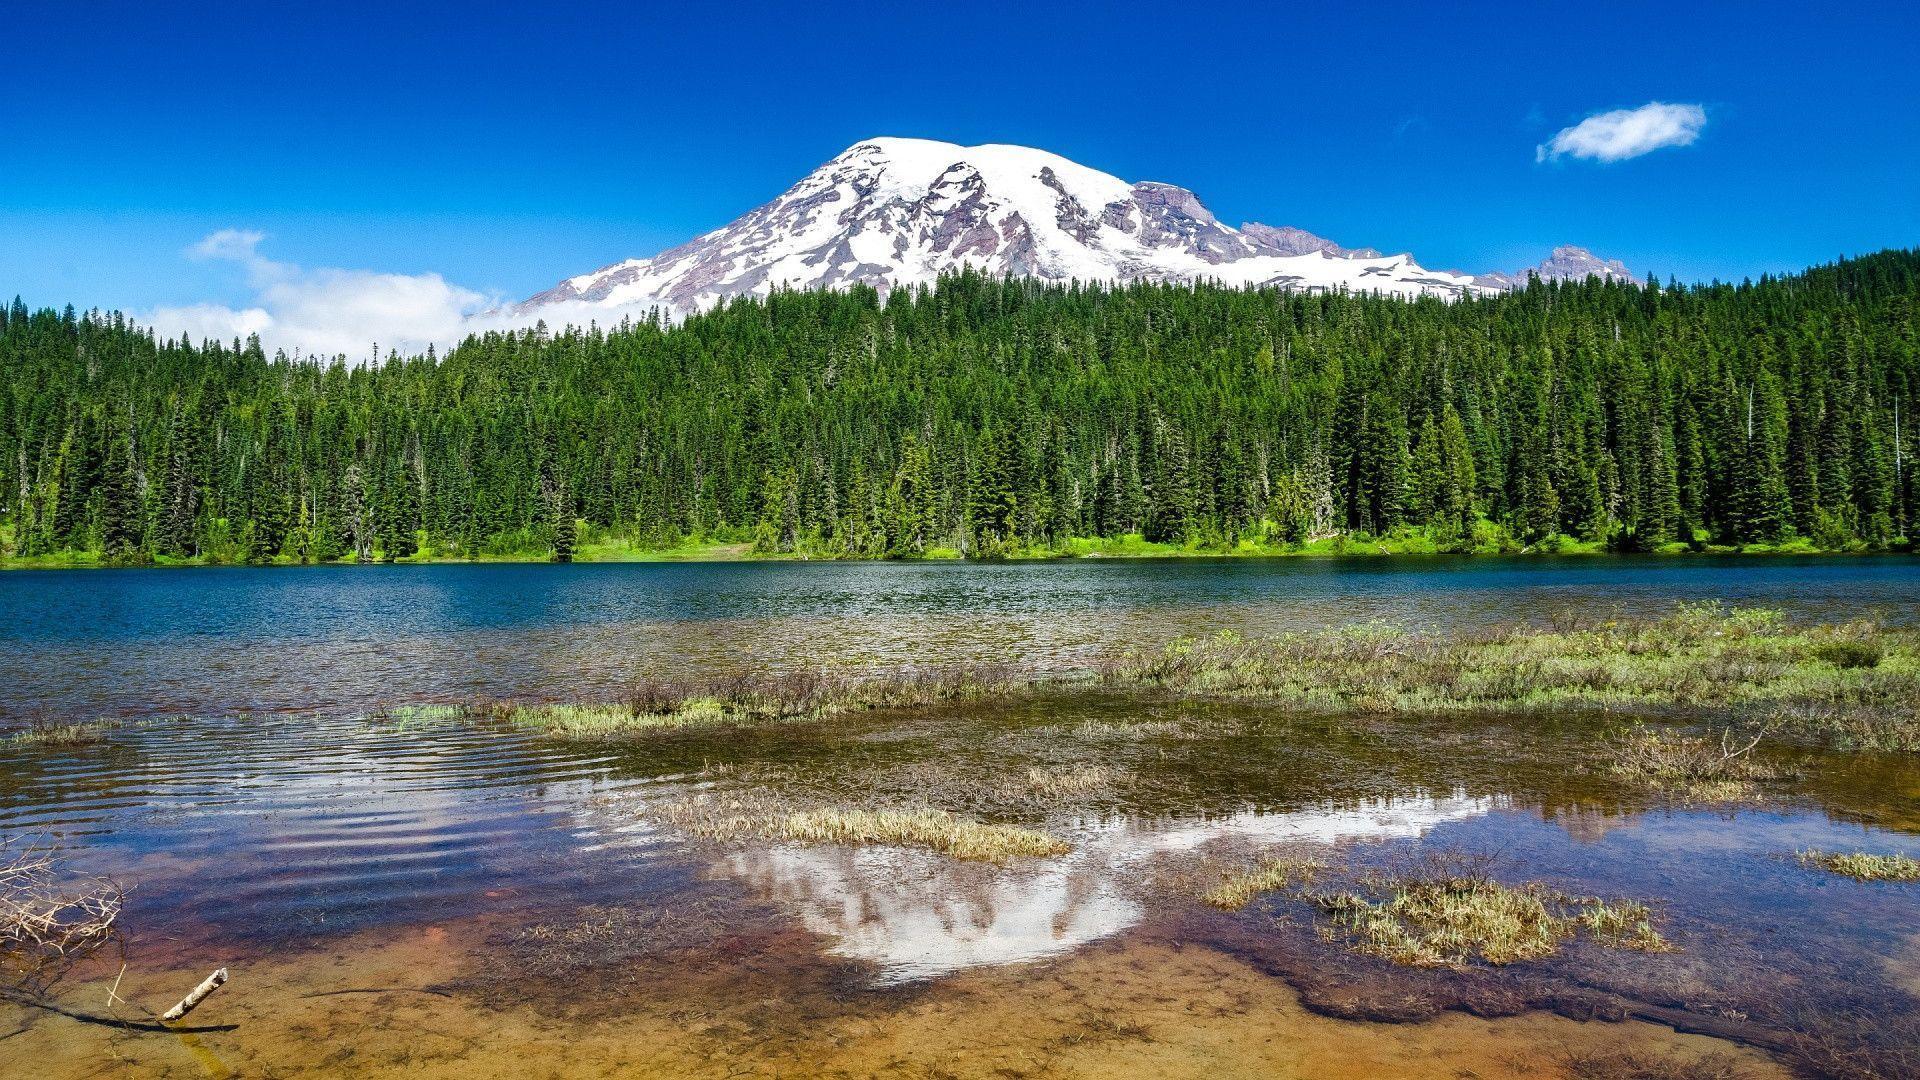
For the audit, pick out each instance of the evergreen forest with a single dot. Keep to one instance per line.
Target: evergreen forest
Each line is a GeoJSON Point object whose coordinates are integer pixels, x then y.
{"type": "Point", "coordinates": [992, 418]}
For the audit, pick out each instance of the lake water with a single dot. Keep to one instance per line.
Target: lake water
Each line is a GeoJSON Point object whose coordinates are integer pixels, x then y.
{"type": "Point", "coordinates": [348, 639]}
{"type": "Point", "coordinates": [462, 899]}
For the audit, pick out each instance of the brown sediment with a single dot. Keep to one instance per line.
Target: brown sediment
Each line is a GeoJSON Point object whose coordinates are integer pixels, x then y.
{"type": "Point", "coordinates": [767, 1006]}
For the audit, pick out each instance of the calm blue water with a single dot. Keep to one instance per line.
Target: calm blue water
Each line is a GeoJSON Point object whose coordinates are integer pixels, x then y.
{"type": "Point", "coordinates": [80, 643]}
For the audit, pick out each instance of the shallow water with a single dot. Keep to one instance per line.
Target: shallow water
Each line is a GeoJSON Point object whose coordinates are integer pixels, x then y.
{"type": "Point", "coordinates": [505, 891]}
{"type": "Point", "coordinates": [464, 899]}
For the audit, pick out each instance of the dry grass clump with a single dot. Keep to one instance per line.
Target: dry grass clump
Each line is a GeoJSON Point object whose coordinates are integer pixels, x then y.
{"type": "Point", "coordinates": [1449, 921]}
{"type": "Point", "coordinates": [657, 705]}
{"type": "Point", "coordinates": [1863, 866]}
{"type": "Point", "coordinates": [1852, 684]}
{"type": "Point", "coordinates": [1696, 767]}
{"type": "Point", "coordinates": [48, 918]}
{"type": "Point", "coordinates": [760, 816]}
{"type": "Point", "coordinates": [1271, 875]}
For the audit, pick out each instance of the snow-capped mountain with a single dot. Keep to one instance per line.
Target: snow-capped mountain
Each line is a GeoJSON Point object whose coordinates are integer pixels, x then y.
{"type": "Point", "coordinates": [899, 212]}
{"type": "Point", "coordinates": [1567, 263]}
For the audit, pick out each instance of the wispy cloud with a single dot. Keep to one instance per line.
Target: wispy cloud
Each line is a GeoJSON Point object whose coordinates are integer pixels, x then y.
{"type": "Point", "coordinates": [1626, 133]}
{"type": "Point", "coordinates": [323, 311]}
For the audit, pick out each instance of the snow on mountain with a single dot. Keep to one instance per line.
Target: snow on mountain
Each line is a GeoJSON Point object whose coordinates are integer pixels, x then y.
{"type": "Point", "coordinates": [1567, 263]}
{"type": "Point", "coordinates": [900, 212]}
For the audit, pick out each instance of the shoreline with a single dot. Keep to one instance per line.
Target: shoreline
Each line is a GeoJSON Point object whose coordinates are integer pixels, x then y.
{"type": "Point", "coordinates": [1074, 552]}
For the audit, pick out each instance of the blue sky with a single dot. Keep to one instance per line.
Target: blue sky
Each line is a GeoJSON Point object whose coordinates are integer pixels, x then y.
{"type": "Point", "coordinates": [505, 149]}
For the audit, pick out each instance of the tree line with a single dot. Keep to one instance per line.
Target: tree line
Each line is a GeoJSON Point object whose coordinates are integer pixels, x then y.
{"type": "Point", "coordinates": [988, 417]}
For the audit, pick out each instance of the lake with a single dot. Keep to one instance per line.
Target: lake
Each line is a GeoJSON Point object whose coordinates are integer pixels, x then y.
{"type": "Point", "coordinates": [463, 898]}
{"type": "Point", "coordinates": [351, 638]}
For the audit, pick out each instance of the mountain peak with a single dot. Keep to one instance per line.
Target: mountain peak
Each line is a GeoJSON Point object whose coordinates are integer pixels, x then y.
{"type": "Point", "coordinates": [1568, 262]}
{"type": "Point", "coordinates": [890, 212]}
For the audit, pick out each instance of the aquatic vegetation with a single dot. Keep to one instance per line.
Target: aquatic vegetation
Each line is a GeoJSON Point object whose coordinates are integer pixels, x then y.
{"type": "Point", "coordinates": [1863, 866]}
{"type": "Point", "coordinates": [57, 734]}
{"type": "Point", "coordinates": [761, 816]}
{"type": "Point", "coordinates": [404, 717]}
{"type": "Point", "coordinates": [1071, 780]}
{"type": "Point", "coordinates": [598, 721]}
{"type": "Point", "coordinates": [1273, 874]}
{"type": "Point", "coordinates": [1451, 920]}
{"type": "Point", "coordinates": [658, 705]}
{"type": "Point", "coordinates": [1853, 685]}
{"type": "Point", "coordinates": [1703, 769]}
{"type": "Point", "coordinates": [1640, 1065]}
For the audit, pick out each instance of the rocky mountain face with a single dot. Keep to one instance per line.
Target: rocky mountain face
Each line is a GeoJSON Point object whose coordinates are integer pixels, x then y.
{"type": "Point", "coordinates": [899, 212]}
{"type": "Point", "coordinates": [1567, 263]}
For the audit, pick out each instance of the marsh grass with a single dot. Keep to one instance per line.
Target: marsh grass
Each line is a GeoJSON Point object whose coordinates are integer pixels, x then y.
{"type": "Point", "coordinates": [1863, 866]}
{"type": "Point", "coordinates": [760, 816]}
{"type": "Point", "coordinates": [1449, 921]}
{"type": "Point", "coordinates": [1446, 911]}
{"type": "Point", "coordinates": [46, 733]}
{"type": "Point", "coordinates": [1239, 889]}
{"type": "Point", "coordinates": [409, 717]}
{"type": "Point", "coordinates": [1854, 684]}
{"type": "Point", "coordinates": [1717, 768]}
{"type": "Point", "coordinates": [654, 706]}
{"type": "Point", "coordinates": [1070, 781]}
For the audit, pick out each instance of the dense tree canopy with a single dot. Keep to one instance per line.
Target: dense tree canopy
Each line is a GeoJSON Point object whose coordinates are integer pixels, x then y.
{"type": "Point", "coordinates": [992, 417]}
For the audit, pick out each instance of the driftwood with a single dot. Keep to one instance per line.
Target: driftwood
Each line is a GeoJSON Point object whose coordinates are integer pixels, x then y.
{"type": "Point", "coordinates": [197, 995]}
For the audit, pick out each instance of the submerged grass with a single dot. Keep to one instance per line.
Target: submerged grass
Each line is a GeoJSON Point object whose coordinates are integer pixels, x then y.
{"type": "Point", "coordinates": [1641, 1065]}
{"type": "Point", "coordinates": [1069, 781]}
{"type": "Point", "coordinates": [1855, 685]}
{"type": "Point", "coordinates": [760, 816]}
{"type": "Point", "coordinates": [1863, 866]}
{"type": "Point", "coordinates": [653, 706]}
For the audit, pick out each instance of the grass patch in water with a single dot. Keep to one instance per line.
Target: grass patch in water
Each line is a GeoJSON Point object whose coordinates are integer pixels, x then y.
{"type": "Point", "coordinates": [1071, 780]}
{"type": "Point", "coordinates": [757, 816]}
{"type": "Point", "coordinates": [1239, 889]}
{"type": "Point", "coordinates": [1448, 912]}
{"type": "Point", "coordinates": [53, 734]}
{"type": "Point", "coordinates": [1854, 685]}
{"type": "Point", "coordinates": [1449, 921]}
{"type": "Point", "coordinates": [1705, 769]}
{"type": "Point", "coordinates": [1863, 866]}
{"type": "Point", "coordinates": [662, 705]}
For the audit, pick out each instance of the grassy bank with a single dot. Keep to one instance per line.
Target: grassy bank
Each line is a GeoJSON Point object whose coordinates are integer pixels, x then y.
{"type": "Point", "coordinates": [602, 545]}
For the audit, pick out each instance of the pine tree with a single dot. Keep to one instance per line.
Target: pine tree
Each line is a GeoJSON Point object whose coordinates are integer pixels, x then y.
{"type": "Point", "coordinates": [119, 503]}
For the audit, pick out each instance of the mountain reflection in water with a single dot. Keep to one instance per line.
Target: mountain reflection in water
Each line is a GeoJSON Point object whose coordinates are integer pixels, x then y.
{"type": "Point", "coordinates": [918, 915]}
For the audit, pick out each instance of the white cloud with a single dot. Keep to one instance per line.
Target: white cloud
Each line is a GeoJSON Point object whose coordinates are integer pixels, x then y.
{"type": "Point", "coordinates": [234, 245]}
{"type": "Point", "coordinates": [1626, 133]}
{"type": "Point", "coordinates": [327, 311]}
